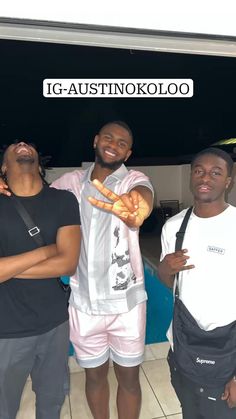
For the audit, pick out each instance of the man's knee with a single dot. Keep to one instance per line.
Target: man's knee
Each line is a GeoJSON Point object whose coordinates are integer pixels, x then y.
{"type": "Point", "coordinates": [128, 378]}
{"type": "Point", "coordinates": [96, 377]}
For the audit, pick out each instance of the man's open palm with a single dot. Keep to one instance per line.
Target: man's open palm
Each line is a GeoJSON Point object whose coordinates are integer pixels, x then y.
{"type": "Point", "coordinates": [130, 207]}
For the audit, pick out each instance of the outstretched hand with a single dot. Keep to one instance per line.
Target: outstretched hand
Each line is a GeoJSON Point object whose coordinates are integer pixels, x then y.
{"type": "Point", "coordinates": [4, 188]}
{"type": "Point", "coordinates": [130, 207]}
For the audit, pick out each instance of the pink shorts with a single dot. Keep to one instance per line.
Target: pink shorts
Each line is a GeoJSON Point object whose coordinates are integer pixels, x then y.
{"type": "Point", "coordinates": [120, 337]}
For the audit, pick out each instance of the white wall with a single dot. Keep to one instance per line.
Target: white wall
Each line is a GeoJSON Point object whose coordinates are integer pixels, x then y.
{"type": "Point", "coordinates": [166, 181]}
{"type": "Point", "coordinates": [56, 172]}
{"type": "Point", "coordinates": [186, 195]}
{"type": "Point", "coordinates": [169, 182]}
{"type": "Point", "coordinates": [206, 16]}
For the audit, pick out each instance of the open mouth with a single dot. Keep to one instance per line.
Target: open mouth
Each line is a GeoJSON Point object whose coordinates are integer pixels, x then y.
{"type": "Point", "coordinates": [110, 153]}
{"type": "Point", "coordinates": [23, 150]}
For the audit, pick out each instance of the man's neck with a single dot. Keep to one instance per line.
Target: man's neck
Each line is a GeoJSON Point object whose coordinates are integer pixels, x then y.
{"type": "Point", "coordinates": [101, 173]}
{"type": "Point", "coordinates": [25, 184]}
{"type": "Point", "coordinates": [207, 210]}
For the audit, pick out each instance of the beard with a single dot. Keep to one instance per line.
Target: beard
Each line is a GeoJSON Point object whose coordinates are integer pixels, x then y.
{"type": "Point", "coordinates": [112, 165]}
{"type": "Point", "coordinates": [25, 159]}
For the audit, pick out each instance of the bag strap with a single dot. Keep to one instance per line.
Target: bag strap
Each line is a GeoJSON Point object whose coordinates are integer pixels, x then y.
{"type": "Point", "coordinates": [179, 241]}
{"type": "Point", "coordinates": [33, 230]}
{"type": "Point", "coordinates": [180, 234]}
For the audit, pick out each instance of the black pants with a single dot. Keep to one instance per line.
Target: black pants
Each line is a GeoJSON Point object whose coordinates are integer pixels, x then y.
{"type": "Point", "coordinates": [198, 401]}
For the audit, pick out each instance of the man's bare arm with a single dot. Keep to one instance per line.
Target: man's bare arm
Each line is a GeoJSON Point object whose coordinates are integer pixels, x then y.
{"type": "Point", "coordinates": [64, 262]}
{"type": "Point", "coordinates": [11, 266]}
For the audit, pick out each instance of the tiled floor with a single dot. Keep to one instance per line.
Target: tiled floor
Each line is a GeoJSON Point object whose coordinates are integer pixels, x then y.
{"type": "Point", "coordinates": [159, 400]}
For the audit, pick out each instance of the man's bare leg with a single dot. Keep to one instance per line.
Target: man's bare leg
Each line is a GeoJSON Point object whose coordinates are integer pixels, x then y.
{"type": "Point", "coordinates": [129, 392]}
{"type": "Point", "coordinates": [97, 391]}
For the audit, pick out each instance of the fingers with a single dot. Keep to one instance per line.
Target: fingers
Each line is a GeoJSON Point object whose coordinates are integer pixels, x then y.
{"type": "Point", "coordinates": [229, 394]}
{"type": "Point", "coordinates": [4, 190]}
{"type": "Point", "coordinates": [129, 203]}
{"type": "Point", "coordinates": [182, 260]}
{"type": "Point", "coordinates": [225, 396]}
{"type": "Point", "coordinates": [117, 208]}
{"type": "Point", "coordinates": [105, 191]}
{"type": "Point", "coordinates": [135, 196]}
{"type": "Point", "coordinates": [100, 204]}
{"type": "Point", "coordinates": [187, 267]}
{"type": "Point", "coordinates": [124, 206]}
{"type": "Point", "coordinates": [181, 256]}
{"type": "Point", "coordinates": [178, 261]}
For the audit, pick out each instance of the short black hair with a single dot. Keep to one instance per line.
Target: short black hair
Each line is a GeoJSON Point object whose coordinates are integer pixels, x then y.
{"type": "Point", "coordinates": [216, 152]}
{"type": "Point", "coordinates": [121, 124]}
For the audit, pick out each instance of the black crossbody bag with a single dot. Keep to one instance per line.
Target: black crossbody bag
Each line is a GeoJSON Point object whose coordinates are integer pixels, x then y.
{"type": "Point", "coordinates": [34, 232]}
{"type": "Point", "coordinates": [207, 357]}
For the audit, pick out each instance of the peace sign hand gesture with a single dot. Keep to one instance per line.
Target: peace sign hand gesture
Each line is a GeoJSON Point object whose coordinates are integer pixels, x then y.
{"type": "Point", "coordinates": [130, 207]}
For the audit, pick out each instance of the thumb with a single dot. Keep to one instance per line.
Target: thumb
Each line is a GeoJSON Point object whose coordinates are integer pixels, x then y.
{"type": "Point", "coordinates": [225, 395]}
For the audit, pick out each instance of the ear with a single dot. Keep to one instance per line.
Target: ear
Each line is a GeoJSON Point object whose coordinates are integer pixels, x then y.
{"type": "Point", "coordinates": [4, 168]}
{"type": "Point", "coordinates": [95, 141]}
{"type": "Point", "coordinates": [228, 182]}
{"type": "Point", "coordinates": [40, 170]}
{"type": "Point", "coordinates": [128, 154]}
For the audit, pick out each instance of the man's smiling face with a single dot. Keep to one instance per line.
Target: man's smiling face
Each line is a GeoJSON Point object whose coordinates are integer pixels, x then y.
{"type": "Point", "coordinates": [19, 154]}
{"type": "Point", "coordinates": [112, 146]}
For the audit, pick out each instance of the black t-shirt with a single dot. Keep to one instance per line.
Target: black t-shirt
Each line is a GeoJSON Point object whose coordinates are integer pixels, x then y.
{"type": "Point", "coordinates": [30, 307]}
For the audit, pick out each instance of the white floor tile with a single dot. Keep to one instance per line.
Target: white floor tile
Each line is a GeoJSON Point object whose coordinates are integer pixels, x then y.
{"type": "Point", "coordinates": [65, 411]}
{"type": "Point", "coordinates": [148, 354]}
{"type": "Point", "coordinates": [150, 407]}
{"type": "Point", "coordinates": [74, 366]}
{"type": "Point", "coordinates": [79, 407]}
{"type": "Point", "coordinates": [160, 350]}
{"type": "Point", "coordinates": [27, 406]}
{"type": "Point", "coordinates": [157, 373]}
{"type": "Point", "coordinates": [113, 390]}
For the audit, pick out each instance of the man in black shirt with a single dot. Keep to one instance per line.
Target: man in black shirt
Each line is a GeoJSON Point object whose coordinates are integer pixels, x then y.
{"type": "Point", "coordinates": [34, 336]}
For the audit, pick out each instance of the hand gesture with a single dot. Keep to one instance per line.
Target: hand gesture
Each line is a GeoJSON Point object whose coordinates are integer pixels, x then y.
{"type": "Point", "coordinates": [230, 393]}
{"type": "Point", "coordinates": [131, 207]}
{"type": "Point", "coordinates": [4, 188]}
{"type": "Point", "coordinates": [175, 262]}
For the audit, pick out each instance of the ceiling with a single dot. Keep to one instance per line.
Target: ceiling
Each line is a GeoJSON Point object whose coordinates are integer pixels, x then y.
{"type": "Point", "coordinates": [166, 130]}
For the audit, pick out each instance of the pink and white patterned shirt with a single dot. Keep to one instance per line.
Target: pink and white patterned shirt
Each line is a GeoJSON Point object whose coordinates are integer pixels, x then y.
{"type": "Point", "coordinates": [109, 278]}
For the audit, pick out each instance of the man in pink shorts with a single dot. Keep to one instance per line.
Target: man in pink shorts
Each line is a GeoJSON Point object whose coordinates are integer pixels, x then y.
{"type": "Point", "coordinates": [108, 299]}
